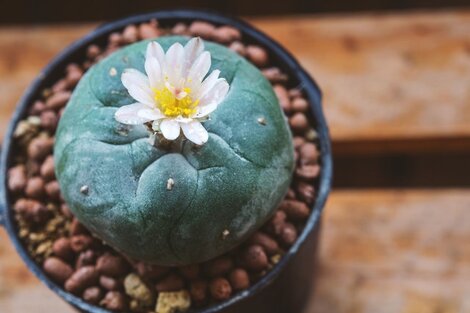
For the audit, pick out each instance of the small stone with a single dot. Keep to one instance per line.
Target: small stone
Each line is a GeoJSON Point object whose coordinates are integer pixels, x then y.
{"type": "Point", "coordinates": [150, 271]}
{"type": "Point", "coordinates": [17, 178]}
{"type": "Point", "coordinates": [276, 223]}
{"type": "Point", "coordinates": [148, 30]}
{"type": "Point", "coordinates": [53, 190]}
{"type": "Point", "coordinates": [73, 76]}
{"type": "Point", "coordinates": [308, 172]}
{"type": "Point", "coordinates": [47, 168]}
{"type": "Point", "coordinates": [77, 228]}
{"type": "Point", "coordinates": [109, 283]}
{"type": "Point", "coordinates": [239, 279]}
{"type": "Point", "coordinates": [306, 192]}
{"type": "Point", "coordinates": [84, 277]}
{"type": "Point", "coordinates": [288, 234]}
{"type": "Point", "coordinates": [173, 302]}
{"type": "Point", "coordinates": [32, 211]}
{"type": "Point", "coordinates": [35, 188]}
{"type": "Point", "coordinates": [111, 265]}
{"type": "Point", "coordinates": [295, 210]}
{"type": "Point", "coordinates": [57, 269]}
{"type": "Point", "coordinates": [255, 258]}
{"type": "Point", "coordinates": [172, 282]}
{"type": "Point", "coordinates": [298, 122]}
{"type": "Point", "coordinates": [179, 29]}
{"type": "Point", "coordinates": [39, 106]}
{"type": "Point", "coordinates": [138, 290]}
{"type": "Point", "coordinates": [170, 183]}
{"type": "Point", "coordinates": [269, 244]}
{"type": "Point", "coordinates": [92, 295]}
{"type": "Point", "coordinates": [63, 249]}
{"type": "Point", "coordinates": [130, 34]}
{"type": "Point", "coordinates": [80, 243]}
{"type": "Point", "coordinates": [114, 301]}
{"type": "Point", "coordinates": [40, 147]}
{"type": "Point", "coordinates": [93, 51]}
{"type": "Point", "coordinates": [274, 75]}
{"type": "Point", "coordinates": [218, 266]}
{"type": "Point", "coordinates": [49, 120]}
{"type": "Point", "coordinates": [311, 135]}
{"type": "Point", "coordinates": [226, 34]}
{"type": "Point", "coordinates": [86, 258]}
{"type": "Point", "coordinates": [202, 29]}
{"type": "Point", "coordinates": [115, 39]}
{"type": "Point", "coordinates": [257, 55]}
{"type": "Point", "coordinates": [238, 47]}
{"type": "Point", "coordinates": [58, 100]}
{"type": "Point", "coordinates": [220, 289]}
{"type": "Point", "coordinates": [198, 291]}
{"type": "Point", "coordinates": [299, 105]}
{"type": "Point", "coordinates": [282, 97]}
{"type": "Point", "coordinates": [276, 258]}
{"type": "Point", "coordinates": [309, 153]}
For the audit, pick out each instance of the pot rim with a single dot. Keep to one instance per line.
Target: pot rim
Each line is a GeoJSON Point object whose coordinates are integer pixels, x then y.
{"type": "Point", "coordinates": [76, 51]}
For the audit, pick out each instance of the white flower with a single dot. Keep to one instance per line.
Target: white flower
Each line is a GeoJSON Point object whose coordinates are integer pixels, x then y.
{"type": "Point", "coordinates": [174, 93]}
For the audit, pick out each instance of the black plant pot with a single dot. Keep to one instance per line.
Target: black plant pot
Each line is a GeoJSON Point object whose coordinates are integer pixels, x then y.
{"type": "Point", "coordinates": [286, 288]}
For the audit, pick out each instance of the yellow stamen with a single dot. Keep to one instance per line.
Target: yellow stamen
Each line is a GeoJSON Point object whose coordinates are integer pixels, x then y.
{"type": "Point", "coordinates": [171, 106]}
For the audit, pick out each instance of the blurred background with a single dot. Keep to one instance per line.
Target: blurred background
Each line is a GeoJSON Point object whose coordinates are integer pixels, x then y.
{"type": "Point", "coordinates": [47, 11]}
{"type": "Point", "coordinates": [396, 82]}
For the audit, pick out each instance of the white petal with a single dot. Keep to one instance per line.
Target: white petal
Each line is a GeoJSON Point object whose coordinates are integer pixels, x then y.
{"type": "Point", "coordinates": [137, 84]}
{"type": "Point", "coordinates": [195, 132]}
{"type": "Point", "coordinates": [150, 114]}
{"type": "Point", "coordinates": [205, 110]}
{"type": "Point", "coordinates": [154, 72]}
{"type": "Point", "coordinates": [200, 68]}
{"type": "Point", "coordinates": [207, 84]}
{"type": "Point", "coordinates": [192, 50]}
{"type": "Point", "coordinates": [154, 50]}
{"type": "Point", "coordinates": [129, 114]}
{"type": "Point", "coordinates": [170, 129]}
{"type": "Point", "coordinates": [174, 62]}
{"type": "Point", "coordinates": [216, 94]}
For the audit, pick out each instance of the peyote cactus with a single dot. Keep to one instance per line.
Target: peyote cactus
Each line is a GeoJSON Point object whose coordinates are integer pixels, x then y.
{"type": "Point", "coordinates": [177, 203]}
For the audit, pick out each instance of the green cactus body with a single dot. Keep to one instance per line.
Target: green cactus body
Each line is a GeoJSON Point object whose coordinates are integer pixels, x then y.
{"type": "Point", "coordinates": [223, 191]}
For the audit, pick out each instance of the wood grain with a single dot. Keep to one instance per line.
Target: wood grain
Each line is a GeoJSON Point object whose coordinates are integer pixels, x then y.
{"type": "Point", "coordinates": [390, 82]}
{"type": "Point", "coordinates": [381, 251]}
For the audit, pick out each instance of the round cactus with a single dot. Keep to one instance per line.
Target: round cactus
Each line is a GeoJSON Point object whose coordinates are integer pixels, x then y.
{"type": "Point", "coordinates": [177, 204]}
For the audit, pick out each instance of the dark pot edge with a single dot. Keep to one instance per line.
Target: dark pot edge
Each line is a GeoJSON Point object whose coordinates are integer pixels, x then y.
{"type": "Point", "coordinates": [310, 88]}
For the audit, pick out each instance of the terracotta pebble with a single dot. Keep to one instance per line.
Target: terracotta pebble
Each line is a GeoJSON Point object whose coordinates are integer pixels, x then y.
{"type": "Point", "coordinates": [92, 295]}
{"type": "Point", "coordinates": [202, 29]}
{"type": "Point", "coordinates": [220, 289]}
{"type": "Point", "coordinates": [239, 279]}
{"type": "Point", "coordinates": [17, 179]}
{"type": "Point", "coordinates": [254, 258]}
{"type": "Point", "coordinates": [257, 55]}
{"type": "Point", "coordinates": [84, 277]}
{"type": "Point", "coordinates": [114, 301]}
{"type": "Point", "coordinates": [58, 270]}
{"type": "Point", "coordinates": [111, 265]}
{"type": "Point", "coordinates": [62, 248]}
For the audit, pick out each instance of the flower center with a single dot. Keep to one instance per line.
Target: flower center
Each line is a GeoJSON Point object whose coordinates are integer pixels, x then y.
{"type": "Point", "coordinates": [173, 103]}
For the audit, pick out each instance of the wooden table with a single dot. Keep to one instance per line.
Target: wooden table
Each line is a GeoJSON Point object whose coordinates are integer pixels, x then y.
{"type": "Point", "coordinates": [392, 83]}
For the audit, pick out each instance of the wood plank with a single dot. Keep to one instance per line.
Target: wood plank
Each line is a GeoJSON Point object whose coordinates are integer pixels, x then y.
{"type": "Point", "coordinates": [401, 77]}
{"type": "Point", "coordinates": [386, 251]}
{"type": "Point", "coordinates": [395, 252]}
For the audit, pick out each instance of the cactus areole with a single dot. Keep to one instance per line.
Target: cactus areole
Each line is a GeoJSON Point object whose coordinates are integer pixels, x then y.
{"type": "Point", "coordinates": [173, 151]}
